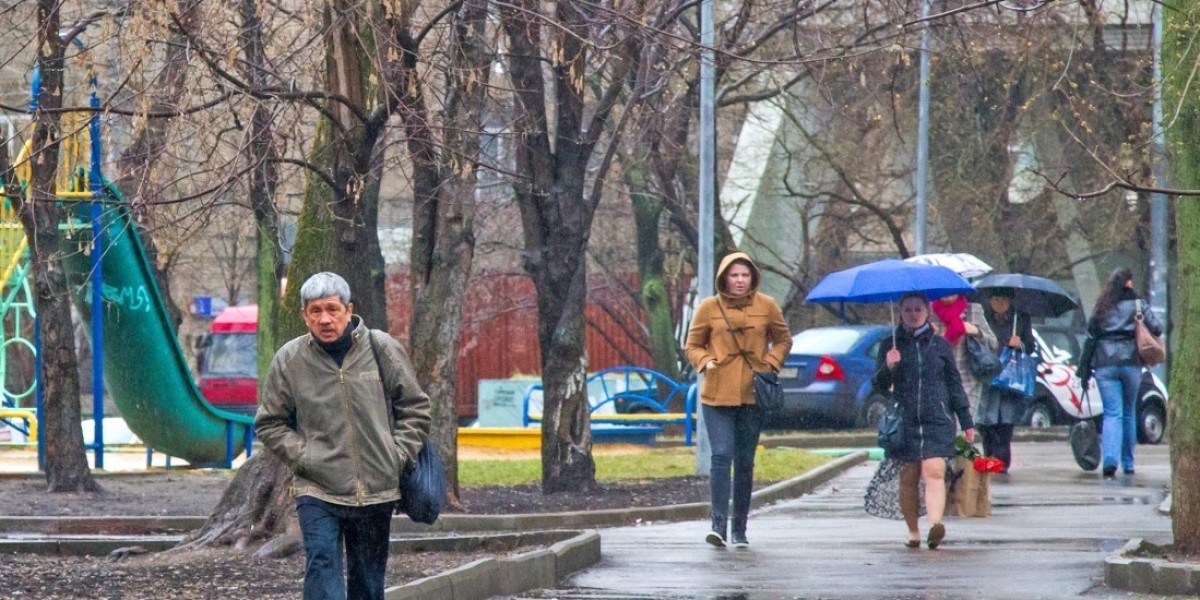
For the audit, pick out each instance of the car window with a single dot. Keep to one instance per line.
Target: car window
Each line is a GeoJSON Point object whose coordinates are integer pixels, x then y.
{"type": "Point", "coordinates": [825, 340]}
{"type": "Point", "coordinates": [1057, 345]}
{"type": "Point", "coordinates": [873, 349]}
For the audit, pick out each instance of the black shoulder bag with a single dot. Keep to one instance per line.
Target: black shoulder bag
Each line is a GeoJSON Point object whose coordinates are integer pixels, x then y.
{"type": "Point", "coordinates": [984, 363]}
{"type": "Point", "coordinates": [890, 436]}
{"type": "Point", "coordinates": [423, 487]}
{"type": "Point", "coordinates": [768, 393]}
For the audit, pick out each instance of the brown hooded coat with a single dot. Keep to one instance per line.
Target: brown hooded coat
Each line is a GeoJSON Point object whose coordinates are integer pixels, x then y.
{"type": "Point", "coordinates": [762, 335]}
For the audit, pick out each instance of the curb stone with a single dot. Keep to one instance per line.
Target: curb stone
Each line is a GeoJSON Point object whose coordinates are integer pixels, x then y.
{"type": "Point", "coordinates": [490, 577]}
{"type": "Point", "coordinates": [1148, 575]}
{"type": "Point", "coordinates": [791, 488]}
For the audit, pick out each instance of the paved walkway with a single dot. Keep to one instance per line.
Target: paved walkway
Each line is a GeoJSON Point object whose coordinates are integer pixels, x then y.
{"type": "Point", "coordinates": [1051, 527]}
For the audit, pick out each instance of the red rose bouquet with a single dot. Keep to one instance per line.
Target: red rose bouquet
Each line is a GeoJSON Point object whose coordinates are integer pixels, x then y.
{"type": "Point", "coordinates": [987, 464]}
{"type": "Point", "coordinates": [981, 463]}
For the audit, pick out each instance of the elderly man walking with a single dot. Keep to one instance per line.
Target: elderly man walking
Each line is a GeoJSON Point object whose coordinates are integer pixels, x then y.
{"type": "Point", "coordinates": [342, 408]}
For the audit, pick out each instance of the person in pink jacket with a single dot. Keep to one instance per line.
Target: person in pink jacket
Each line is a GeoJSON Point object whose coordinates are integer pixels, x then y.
{"type": "Point", "coordinates": [734, 334]}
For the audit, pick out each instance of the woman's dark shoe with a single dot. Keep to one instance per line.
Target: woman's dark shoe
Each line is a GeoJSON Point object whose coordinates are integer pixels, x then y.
{"type": "Point", "coordinates": [1110, 472]}
{"type": "Point", "coordinates": [936, 533]}
{"type": "Point", "coordinates": [912, 543]}
{"type": "Point", "coordinates": [737, 536]}
{"type": "Point", "coordinates": [1129, 471]}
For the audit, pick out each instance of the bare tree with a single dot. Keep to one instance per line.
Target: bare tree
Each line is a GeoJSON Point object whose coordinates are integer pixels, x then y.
{"type": "Point", "coordinates": [444, 181]}
{"type": "Point", "coordinates": [41, 214]}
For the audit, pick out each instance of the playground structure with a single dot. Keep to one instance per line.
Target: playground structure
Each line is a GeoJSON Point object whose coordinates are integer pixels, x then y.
{"type": "Point", "coordinates": [634, 397]}
{"type": "Point", "coordinates": [136, 353]}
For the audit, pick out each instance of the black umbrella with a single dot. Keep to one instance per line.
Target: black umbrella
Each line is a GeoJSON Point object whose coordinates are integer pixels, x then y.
{"type": "Point", "coordinates": [1036, 296]}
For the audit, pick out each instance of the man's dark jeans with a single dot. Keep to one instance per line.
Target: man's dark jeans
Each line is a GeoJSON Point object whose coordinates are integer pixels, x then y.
{"type": "Point", "coordinates": [364, 530]}
{"type": "Point", "coordinates": [733, 437]}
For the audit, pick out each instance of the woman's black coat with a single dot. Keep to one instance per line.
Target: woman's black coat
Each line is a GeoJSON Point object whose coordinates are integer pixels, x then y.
{"type": "Point", "coordinates": [1002, 326]}
{"type": "Point", "coordinates": [930, 392]}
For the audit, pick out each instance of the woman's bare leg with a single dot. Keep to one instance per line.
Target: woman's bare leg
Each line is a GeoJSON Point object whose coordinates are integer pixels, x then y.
{"type": "Point", "coordinates": [933, 472]}
{"type": "Point", "coordinates": [910, 494]}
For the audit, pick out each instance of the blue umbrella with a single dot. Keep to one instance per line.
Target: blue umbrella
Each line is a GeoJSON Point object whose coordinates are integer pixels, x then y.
{"type": "Point", "coordinates": [886, 281]}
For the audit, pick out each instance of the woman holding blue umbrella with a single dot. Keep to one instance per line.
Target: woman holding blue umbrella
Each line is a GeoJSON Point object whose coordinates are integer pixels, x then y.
{"type": "Point", "coordinates": [917, 368]}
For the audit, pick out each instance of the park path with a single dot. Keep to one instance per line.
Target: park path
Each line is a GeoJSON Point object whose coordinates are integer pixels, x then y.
{"type": "Point", "coordinates": [1051, 527]}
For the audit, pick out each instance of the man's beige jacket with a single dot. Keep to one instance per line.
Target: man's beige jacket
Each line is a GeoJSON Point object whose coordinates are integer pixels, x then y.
{"type": "Point", "coordinates": [330, 424]}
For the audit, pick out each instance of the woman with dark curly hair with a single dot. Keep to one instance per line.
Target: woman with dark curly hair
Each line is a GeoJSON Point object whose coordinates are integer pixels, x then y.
{"type": "Point", "coordinates": [1110, 354]}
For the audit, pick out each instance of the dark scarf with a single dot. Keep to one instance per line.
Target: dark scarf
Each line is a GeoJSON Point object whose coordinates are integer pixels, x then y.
{"type": "Point", "coordinates": [338, 348]}
{"type": "Point", "coordinates": [920, 331]}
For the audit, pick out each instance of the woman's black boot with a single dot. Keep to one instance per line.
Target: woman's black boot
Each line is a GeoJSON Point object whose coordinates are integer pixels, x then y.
{"type": "Point", "coordinates": [716, 537]}
{"type": "Point", "coordinates": [737, 537]}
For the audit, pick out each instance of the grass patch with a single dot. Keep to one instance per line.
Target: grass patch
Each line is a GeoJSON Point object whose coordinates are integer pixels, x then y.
{"type": "Point", "coordinates": [772, 464]}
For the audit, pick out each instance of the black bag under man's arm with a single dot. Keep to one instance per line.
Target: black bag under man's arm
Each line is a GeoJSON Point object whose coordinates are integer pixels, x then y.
{"type": "Point", "coordinates": [423, 484]}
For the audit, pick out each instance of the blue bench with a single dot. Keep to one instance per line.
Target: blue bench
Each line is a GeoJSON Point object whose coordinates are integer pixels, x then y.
{"type": "Point", "coordinates": [637, 396]}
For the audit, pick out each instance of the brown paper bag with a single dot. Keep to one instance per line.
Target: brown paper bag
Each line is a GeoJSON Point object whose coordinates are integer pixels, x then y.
{"type": "Point", "coordinates": [971, 493]}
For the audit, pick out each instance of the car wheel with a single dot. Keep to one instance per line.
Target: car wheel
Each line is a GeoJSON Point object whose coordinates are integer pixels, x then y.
{"type": "Point", "coordinates": [873, 408]}
{"type": "Point", "coordinates": [1152, 422]}
{"type": "Point", "coordinates": [1041, 413]}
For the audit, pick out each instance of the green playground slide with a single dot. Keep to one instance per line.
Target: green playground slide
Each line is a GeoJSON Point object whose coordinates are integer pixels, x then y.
{"type": "Point", "coordinates": [144, 367]}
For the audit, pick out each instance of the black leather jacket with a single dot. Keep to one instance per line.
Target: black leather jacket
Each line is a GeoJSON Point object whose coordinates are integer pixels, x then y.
{"type": "Point", "coordinates": [1110, 335]}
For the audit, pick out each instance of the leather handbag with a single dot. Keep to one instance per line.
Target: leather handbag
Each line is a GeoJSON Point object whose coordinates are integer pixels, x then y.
{"type": "Point", "coordinates": [984, 363]}
{"type": "Point", "coordinates": [768, 393]}
{"type": "Point", "coordinates": [1149, 346]}
{"type": "Point", "coordinates": [891, 429]}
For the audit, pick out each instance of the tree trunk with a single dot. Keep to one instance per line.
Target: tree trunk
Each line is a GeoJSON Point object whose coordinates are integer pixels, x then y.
{"type": "Point", "coordinates": [338, 228]}
{"type": "Point", "coordinates": [556, 213]}
{"type": "Point", "coordinates": [256, 507]}
{"type": "Point", "coordinates": [264, 179]}
{"type": "Point", "coordinates": [1179, 56]}
{"type": "Point", "coordinates": [655, 300]}
{"type": "Point", "coordinates": [40, 214]}
{"type": "Point", "coordinates": [443, 246]}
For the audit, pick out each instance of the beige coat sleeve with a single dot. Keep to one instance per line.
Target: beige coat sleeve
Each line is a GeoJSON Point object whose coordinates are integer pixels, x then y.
{"type": "Point", "coordinates": [699, 333]}
{"type": "Point", "coordinates": [410, 405]}
{"type": "Point", "coordinates": [274, 421]}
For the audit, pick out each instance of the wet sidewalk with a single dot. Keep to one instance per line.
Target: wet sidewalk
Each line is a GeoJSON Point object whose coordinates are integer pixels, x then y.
{"type": "Point", "coordinates": [1051, 527]}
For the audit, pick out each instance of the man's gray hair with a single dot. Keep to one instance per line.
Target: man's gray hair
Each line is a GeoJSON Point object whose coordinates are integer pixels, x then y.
{"type": "Point", "coordinates": [324, 285]}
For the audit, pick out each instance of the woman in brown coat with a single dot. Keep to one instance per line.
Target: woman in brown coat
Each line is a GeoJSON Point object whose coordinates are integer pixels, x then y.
{"type": "Point", "coordinates": [734, 334]}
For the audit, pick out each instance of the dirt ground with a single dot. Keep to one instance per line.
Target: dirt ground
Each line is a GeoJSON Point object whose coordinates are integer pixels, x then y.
{"type": "Point", "coordinates": [225, 574]}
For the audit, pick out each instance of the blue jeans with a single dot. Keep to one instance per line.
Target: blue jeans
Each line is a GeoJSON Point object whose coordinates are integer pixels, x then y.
{"type": "Point", "coordinates": [733, 437]}
{"type": "Point", "coordinates": [363, 530]}
{"type": "Point", "coordinates": [1119, 392]}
